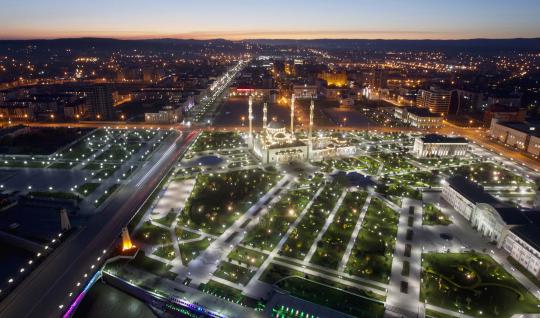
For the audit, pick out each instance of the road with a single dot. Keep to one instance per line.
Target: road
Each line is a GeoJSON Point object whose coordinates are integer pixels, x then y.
{"type": "Point", "coordinates": [49, 286]}
{"type": "Point", "coordinates": [478, 136]}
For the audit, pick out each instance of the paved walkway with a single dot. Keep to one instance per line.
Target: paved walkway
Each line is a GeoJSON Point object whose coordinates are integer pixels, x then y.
{"type": "Point", "coordinates": [329, 221]}
{"type": "Point", "coordinates": [253, 288]}
{"type": "Point", "coordinates": [409, 300]}
{"type": "Point", "coordinates": [200, 268]}
{"type": "Point", "coordinates": [172, 197]}
{"type": "Point", "coordinates": [332, 277]}
{"type": "Point", "coordinates": [345, 259]}
{"type": "Point", "coordinates": [446, 311]}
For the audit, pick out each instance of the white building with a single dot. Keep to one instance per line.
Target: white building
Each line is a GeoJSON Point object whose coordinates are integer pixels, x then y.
{"type": "Point", "coordinates": [521, 135]}
{"type": "Point", "coordinates": [434, 145]}
{"type": "Point", "coordinates": [305, 91]}
{"type": "Point", "coordinates": [165, 116]}
{"type": "Point", "coordinates": [277, 145]}
{"type": "Point", "coordinates": [516, 231]}
{"type": "Point", "coordinates": [485, 213]}
{"type": "Point", "coordinates": [418, 117]}
{"type": "Point", "coordinates": [523, 244]}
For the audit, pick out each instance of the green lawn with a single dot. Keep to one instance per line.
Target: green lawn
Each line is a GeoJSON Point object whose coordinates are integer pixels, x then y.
{"type": "Point", "coordinates": [442, 162]}
{"type": "Point", "coordinates": [315, 289]}
{"type": "Point", "coordinates": [106, 194]}
{"type": "Point", "coordinates": [167, 220]}
{"type": "Point", "coordinates": [191, 250]}
{"type": "Point", "coordinates": [474, 283]}
{"type": "Point", "coordinates": [371, 256]}
{"type": "Point", "coordinates": [234, 273]}
{"type": "Point", "coordinates": [217, 140]}
{"type": "Point", "coordinates": [395, 187]}
{"type": "Point", "coordinates": [17, 163]}
{"type": "Point", "coordinates": [337, 299]}
{"type": "Point", "coordinates": [106, 172]}
{"type": "Point", "coordinates": [184, 234]}
{"type": "Point", "coordinates": [62, 165]}
{"type": "Point", "coordinates": [420, 179]}
{"type": "Point", "coordinates": [301, 238]}
{"type": "Point", "coordinates": [273, 225]}
{"type": "Point", "coordinates": [87, 188]}
{"type": "Point", "coordinates": [78, 151]}
{"type": "Point", "coordinates": [363, 163]}
{"type": "Point", "coordinates": [227, 293]}
{"type": "Point", "coordinates": [151, 234]}
{"type": "Point", "coordinates": [394, 163]}
{"type": "Point", "coordinates": [489, 174]}
{"type": "Point", "coordinates": [166, 251]}
{"type": "Point", "coordinates": [246, 256]}
{"type": "Point", "coordinates": [433, 216]}
{"type": "Point", "coordinates": [217, 200]}
{"type": "Point", "coordinates": [94, 166]}
{"type": "Point", "coordinates": [334, 242]}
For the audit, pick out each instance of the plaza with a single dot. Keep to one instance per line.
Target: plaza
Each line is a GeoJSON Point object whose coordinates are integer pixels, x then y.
{"type": "Point", "coordinates": [230, 227]}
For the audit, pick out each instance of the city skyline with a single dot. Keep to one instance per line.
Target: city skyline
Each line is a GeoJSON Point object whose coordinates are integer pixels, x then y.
{"type": "Point", "coordinates": [271, 158]}
{"type": "Point", "coordinates": [416, 19]}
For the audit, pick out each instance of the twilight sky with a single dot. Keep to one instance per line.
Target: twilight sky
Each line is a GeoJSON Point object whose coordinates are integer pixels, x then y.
{"type": "Point", "coordinates": [240, 19]}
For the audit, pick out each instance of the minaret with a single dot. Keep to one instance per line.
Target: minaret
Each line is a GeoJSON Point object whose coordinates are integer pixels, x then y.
{"type": "Point", "coordinates": [265, 114]}
{"type": "Point", "coordinates": [292, 116]}
{"type": "Point", "coordinates": [250, 114]}
{"type": "Point", "coordinates": [310, 132]}
{"type": "Point", "coordinates": [65, 225]}
{"type": "Point", "coordinates": [126, 240]}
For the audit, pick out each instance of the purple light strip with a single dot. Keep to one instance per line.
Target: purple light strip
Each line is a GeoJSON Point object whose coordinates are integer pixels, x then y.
{"type": "Point", "coordinates": [74, 305]}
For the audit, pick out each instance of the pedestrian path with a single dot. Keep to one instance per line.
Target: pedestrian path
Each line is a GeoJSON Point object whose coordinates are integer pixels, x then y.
{"type": "Point", "coordinates": [398, 296]}
{"type": "Point", "coordinates": [354, 236]}
{"type": "Point", "coordinates": [251, 288]}
{"type": "Point", "coordinates": [329, 221]}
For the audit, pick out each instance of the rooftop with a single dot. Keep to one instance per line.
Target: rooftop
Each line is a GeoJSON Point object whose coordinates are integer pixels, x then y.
{"type": "Point", "coordinates": [421, 112]}
{"type": "Point", "coordinates": [530, 233]}
{"type": "Point", "coordinates": [525, 127]}
{"type": "Point", "coordinates": [435, 138]}
{"type": "Point", "coordinates": [500, 108]}
{"type": "Point", "coordinates": [513, 216]}
{"type": "Point", "coordinates": [476, 194]}
{"type": "Point", "coordinates": [471, 190]}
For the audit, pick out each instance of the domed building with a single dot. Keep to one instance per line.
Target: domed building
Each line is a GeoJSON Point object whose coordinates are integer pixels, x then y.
{"type": "Point", "coordinates": [277, 145]}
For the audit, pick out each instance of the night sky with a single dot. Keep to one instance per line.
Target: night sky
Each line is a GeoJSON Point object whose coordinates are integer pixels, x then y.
{"type": "Point", "coordinates": [240, 19]}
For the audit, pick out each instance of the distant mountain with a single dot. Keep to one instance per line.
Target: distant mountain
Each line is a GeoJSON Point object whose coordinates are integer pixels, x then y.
{"type": "Point", "coordinates": [107, 45]}
{"type": "Point", "coordinates": [473, 45]}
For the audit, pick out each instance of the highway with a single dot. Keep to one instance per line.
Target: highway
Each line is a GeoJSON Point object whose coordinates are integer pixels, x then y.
{"type": "Point", "coordinates": [48, 287]}
{"type": "Point", "coordinates": [477, 135]}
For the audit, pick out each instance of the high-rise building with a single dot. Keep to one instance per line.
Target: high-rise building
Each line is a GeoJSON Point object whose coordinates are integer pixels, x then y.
{"type": "Point", "coordinates": [436, 100]}
{"type": "Point", "coordinates": [101, 102]}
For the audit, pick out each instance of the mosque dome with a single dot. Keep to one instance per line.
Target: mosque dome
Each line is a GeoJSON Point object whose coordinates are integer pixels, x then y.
{"type": "Point", "coordinates": [275, 125]}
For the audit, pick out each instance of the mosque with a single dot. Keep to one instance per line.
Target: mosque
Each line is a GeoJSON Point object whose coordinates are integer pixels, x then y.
{"type": "Point", "coordinates": [274, 144]}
